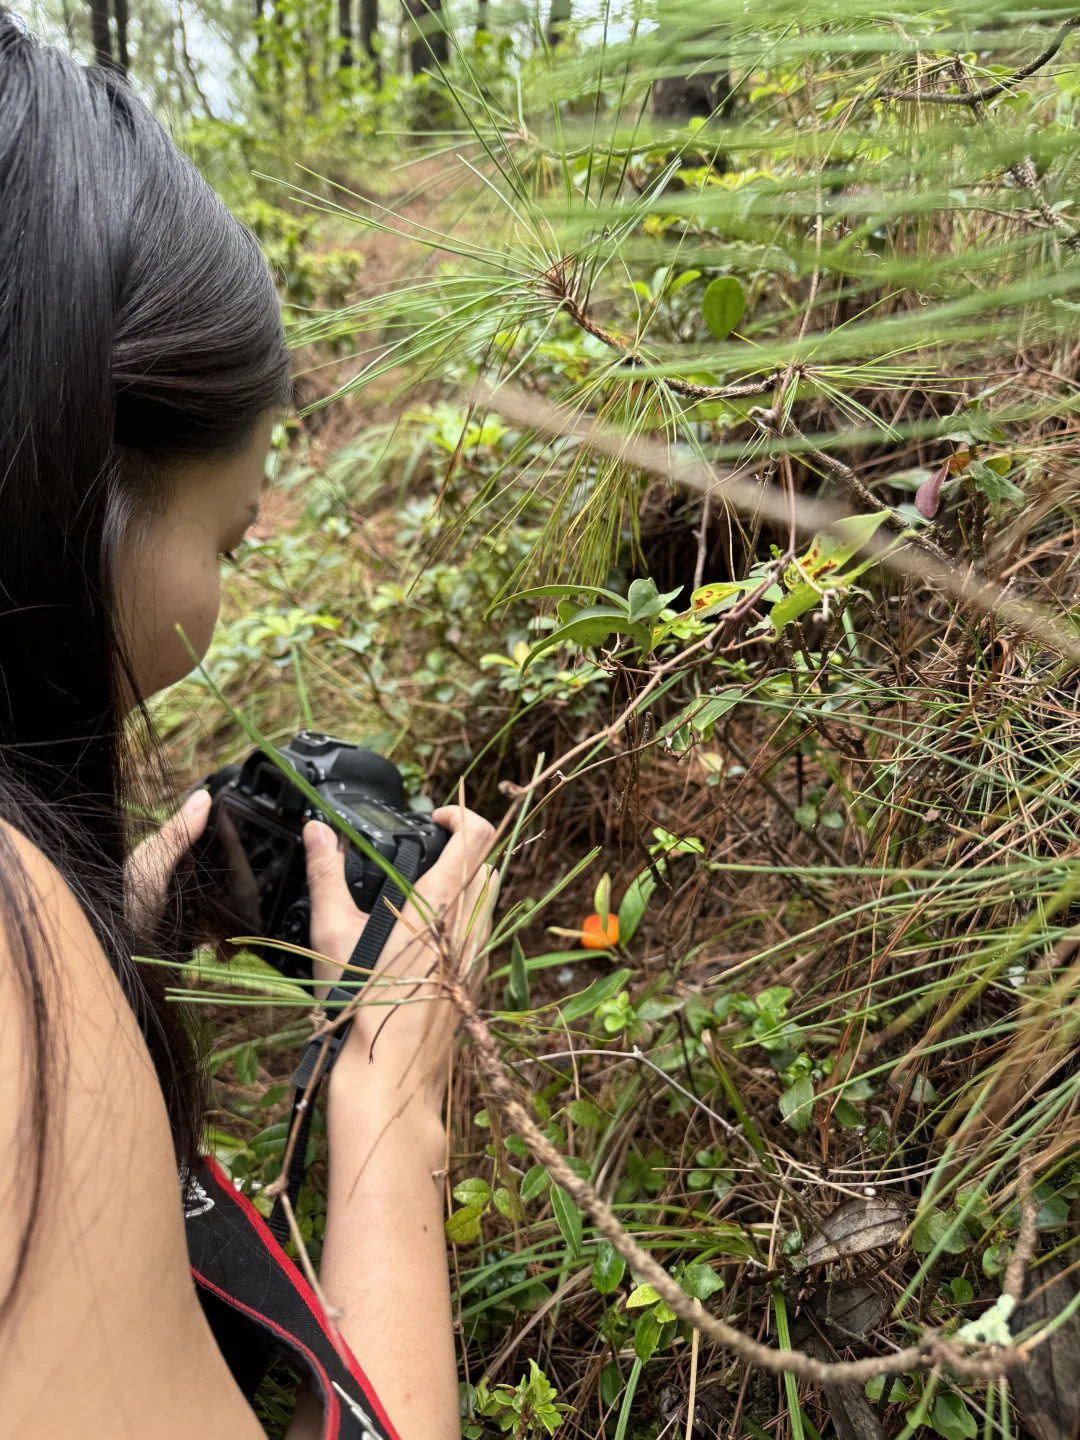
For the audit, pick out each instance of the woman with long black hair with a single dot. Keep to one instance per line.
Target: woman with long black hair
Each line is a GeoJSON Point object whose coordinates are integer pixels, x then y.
{"type": "Point", "coordinates": [141, 365]}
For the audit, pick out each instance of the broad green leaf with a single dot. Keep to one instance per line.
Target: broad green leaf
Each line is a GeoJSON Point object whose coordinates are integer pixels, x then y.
{"type": "Point", "coordinates": [940, 1227]}
{"type": "Point", "coordinates": [611, 1383]}
{"type": "Point", "coordinates": [997, 487]}
{"type": "Point", "coordinates": [503, 1202]}
{"type": "Point", "coordinates": [722, 306]}
{"type": "Point", "coordinates": [961, 1291]}
{"type": "Point", "coordinates": [644, 601]}
{"type": "Point", "coordinates": [643, 1295]}
{"type": "Point", "coordinates": [797, 1103]}
{"type": "Point", "coordinates": [646, 1336]}
{"type": "Point", "coordinates": [599, 991]}
{"type": "Point", "coordinates": [463, 1225]}
{"type": "Point", "coordinates": [569, 592]}
{"type": "Point", "coordinates": [951, 1418]}
{"type": "Point", "coordinates": [584, 1112]}
{"type": "Point", "coordinates": [716, 598]}
{"type": "Point", "coordinates": [845, 1114]}
{"type": "Point", "coordinates": [700, 1281]}
{"type": "Point", "coordinates": [832, 548]}
{"type": "Point", "coordinates": [632, 908]}
{"type": "Point", "coordinates": [609, 1267]}
{"type": "Point", "coordinates": [474, 1191]}
{"type": "Point", "coordinates": [568, 1219]}
{"type": "Point", "coordinates": [534, 1183]}
{"type": "Point", "coordinates": [686, 278]}
{"type": "Point", "coordinates": [803, 598]}
{"type": "Point", "coordinates": [704, 717]}
{"type": "Point", "coordinates": [592, 626]}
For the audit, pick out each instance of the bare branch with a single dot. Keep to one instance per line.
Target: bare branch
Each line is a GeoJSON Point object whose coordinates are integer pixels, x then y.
{"type": "Point", "coordinates": [975, 97]}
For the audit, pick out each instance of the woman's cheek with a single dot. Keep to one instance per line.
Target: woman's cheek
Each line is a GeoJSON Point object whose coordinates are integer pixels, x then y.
{"type": "Point", "coordinates": [187, 612]}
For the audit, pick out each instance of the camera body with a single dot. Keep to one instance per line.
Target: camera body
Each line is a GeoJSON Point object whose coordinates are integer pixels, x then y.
{"type": "Point", "coordinates": [249, 864]}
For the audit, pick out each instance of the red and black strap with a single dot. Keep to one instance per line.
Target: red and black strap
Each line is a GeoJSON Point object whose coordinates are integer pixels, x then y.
{"type": "Point", "coordinates": [260, 1307]}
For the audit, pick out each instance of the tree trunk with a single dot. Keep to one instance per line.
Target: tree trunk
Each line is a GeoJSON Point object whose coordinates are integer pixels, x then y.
{"type": "Point", "coordinates": [430, 45]}
{"type": "Point", "coordinates": [120, 15]}
{"type": "Point", "coordinates": [685, 97]}
{"type": "Point", "coordinates": [345, 32]}
{"type": "Point", "coordinates": [369, 35]}
{"type": "Point", "coordinates": [558, 19]}
{"type": "Point", "coordinates": [99, 32]}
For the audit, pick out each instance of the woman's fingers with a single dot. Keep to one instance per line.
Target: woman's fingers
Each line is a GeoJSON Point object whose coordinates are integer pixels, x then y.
{"type": "Point", "coordinates": [470, 840]}
{"type": "Point", "coordinates": [153, 860]}
{"type": "Point", "coordinates": [336, 923]}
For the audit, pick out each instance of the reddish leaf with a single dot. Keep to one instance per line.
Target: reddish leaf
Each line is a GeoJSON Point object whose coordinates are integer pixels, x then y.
{"type": "Point", "coordinates": [928, 495]}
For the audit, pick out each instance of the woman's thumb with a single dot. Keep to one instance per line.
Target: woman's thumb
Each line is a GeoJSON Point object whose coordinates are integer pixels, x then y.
{"type": "Point", "coordinates": [325, 865]}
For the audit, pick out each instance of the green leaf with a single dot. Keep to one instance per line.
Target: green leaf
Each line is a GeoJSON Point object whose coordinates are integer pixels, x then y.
{"type": "Point", "coordinates": [611, 1383]}
{"type": "Point", "coordinates": [721, 596]}
{"type": "Point", "coordinates": [845, 1115]}
{"type": "Point", "coordinates": [996, 487]}
{"type": "Point", "coordinates": [940, 1227]}
{"type": "Point", "coordinates": [832, 548]}
{"type": "Point", "coordinates": [584, 1112]}
{"type": "Point", "coordinates": [535, 1182]}
{"type": "Point", "coordinates": [463, 1225]}
{"type": "Point", "coordinates": [569, 592]}
{"type": "Point", "coordinates": [646, 1335]}
{"type": "Point", "coordinates": [643, 1295]}
{"type": "Point", "coordinates": [951, 1418]}
{"type": "Point", "coordinates": [504, 1202]}
{"type": "Point", "coordinates": [686, 278]}
{"type": "Point", "coordinates": [704, 717]}
{"type": "Point", "coordinates": [517, 987]}
{"type": "Point", "coordinates": [797, 1104]}
{"type": "Point", "coordinates": [474, 1191]}
{"type": "Point", "coordinates": [803, 598]}
{"type": "Point", "coordinates": [568, 1219]}
{"type": "Point", "coordinates": [599, 991]}
{"type": "Point", "coordinates": [700, 1281]}
{"type": "Point", "coordinates": [602, 898]}
{"type": "Point", "coordinates": [590, 626]}
{"type": "Point", "coordinates": [645, 602]}
{"type": "Point", "coordinates": [632, 908]}
{"type": "Point", "coordinates": [722, 306]}
{"type": "Point", "coordinates": [961, 1291]}
{"type": "Point", "coordinates": [609, 1267]}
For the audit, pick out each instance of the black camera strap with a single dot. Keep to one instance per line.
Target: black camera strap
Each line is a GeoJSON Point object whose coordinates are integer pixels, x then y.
{"type": "Point", "coordinates": [319, 1057]}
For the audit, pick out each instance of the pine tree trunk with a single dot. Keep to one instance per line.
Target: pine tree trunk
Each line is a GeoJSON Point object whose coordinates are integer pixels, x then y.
{"type": "Point", "coordinates": [99, 32]}
{"type": "Point", "coordinates": [369, 34]}
{"type": "Point", "coordinates": [430, 46]}
{"type": "Point", "coordinates": [558, 19]}
{"type": "Point", "coordinates": [120, 15]}
{"type": "Point", "coordinates": [345, 31]}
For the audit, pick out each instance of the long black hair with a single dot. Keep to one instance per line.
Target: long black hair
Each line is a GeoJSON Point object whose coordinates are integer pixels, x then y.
{"type": "Point", "coordinates": [139, 324]}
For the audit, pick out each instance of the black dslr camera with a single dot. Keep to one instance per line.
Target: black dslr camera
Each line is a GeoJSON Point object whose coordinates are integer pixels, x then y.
{"type": "Point", "coordinates": [249, 865]}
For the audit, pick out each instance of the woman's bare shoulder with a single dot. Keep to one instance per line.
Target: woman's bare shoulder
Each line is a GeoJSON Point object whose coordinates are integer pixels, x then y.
{"type": "Point", "coordinates": [102, 1333]}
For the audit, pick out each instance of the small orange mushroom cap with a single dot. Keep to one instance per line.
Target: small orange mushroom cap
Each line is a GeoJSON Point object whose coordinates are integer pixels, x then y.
{"type": "Point", "coordinates": [595, 936]}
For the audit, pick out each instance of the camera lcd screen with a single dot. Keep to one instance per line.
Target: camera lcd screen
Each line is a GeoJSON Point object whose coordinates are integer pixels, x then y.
{"type": "Point", "coordinates": [374, 815]}
{"type": "Point", "coordinates": [258, 863]}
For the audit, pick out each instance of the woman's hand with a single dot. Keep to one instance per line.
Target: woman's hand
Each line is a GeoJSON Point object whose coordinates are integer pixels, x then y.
{"type": "Point", "coordinates": [403, 1031]}
{"type": "Point", "coordinates": [151, 864]}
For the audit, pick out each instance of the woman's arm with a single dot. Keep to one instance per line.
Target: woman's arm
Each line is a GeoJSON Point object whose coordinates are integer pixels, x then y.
{"type": "Point", "coordinates": [384, 1253]}
{"type": "Point", "coordinates": [103, 1336]}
